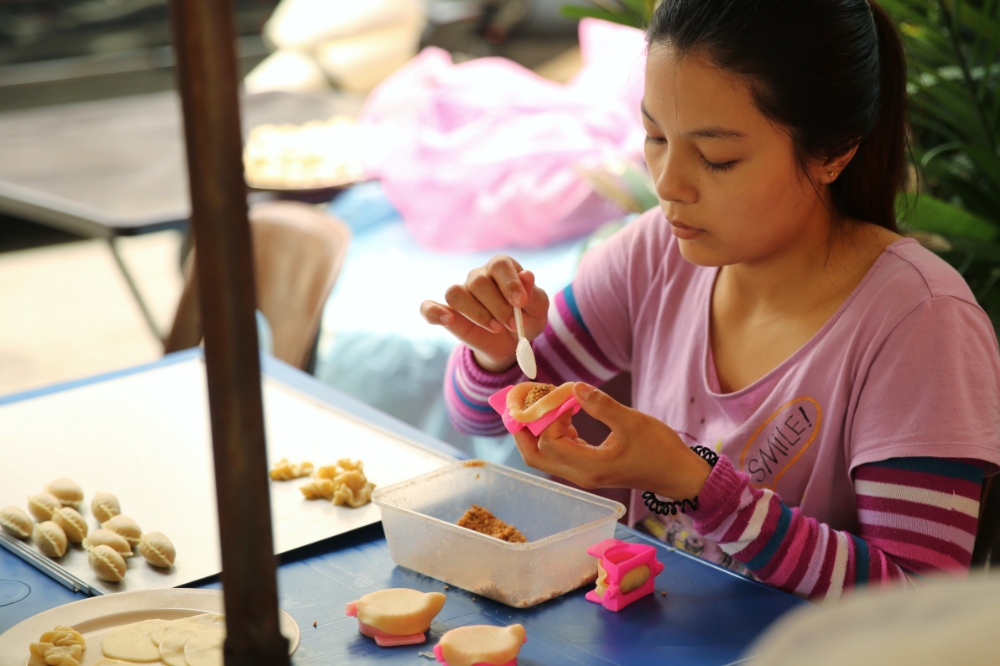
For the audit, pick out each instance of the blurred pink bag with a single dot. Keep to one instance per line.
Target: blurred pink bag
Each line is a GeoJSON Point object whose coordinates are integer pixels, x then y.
{"type": "Point", "coordinates": [483, 154]}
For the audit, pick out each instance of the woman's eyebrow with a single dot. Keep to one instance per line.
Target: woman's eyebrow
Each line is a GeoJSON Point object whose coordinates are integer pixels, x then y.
{"type": "Point", "coordinates": [642, 106]}
{"type": "Point", "coordinates": [716, 132]}
{"type": "Point", "coordinates": [712, 132]}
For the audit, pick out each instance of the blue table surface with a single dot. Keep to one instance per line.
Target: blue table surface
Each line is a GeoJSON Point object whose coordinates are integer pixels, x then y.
{"type": "Point", "coordinates": [708, 615]}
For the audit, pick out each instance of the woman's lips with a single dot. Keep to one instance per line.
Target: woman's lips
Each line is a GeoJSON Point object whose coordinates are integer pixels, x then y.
{"type": "Point", "coordinates": [684, 231]}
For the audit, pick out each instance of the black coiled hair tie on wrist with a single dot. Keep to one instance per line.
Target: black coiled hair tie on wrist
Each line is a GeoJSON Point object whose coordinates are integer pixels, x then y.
{"type": "Point", "coordinates": [663, 508]}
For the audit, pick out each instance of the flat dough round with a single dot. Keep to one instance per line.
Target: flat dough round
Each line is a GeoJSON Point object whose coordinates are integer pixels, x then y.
{"type": "Point", "coordinates": [172, 645]}
{"type": "Point", "coordinates": [132, 642]}
{"type": "Point", "coordinates": [205, 650]}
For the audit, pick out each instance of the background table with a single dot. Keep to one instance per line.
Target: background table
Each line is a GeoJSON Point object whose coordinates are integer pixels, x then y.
{"type": "Point", "coordinates": [116, 167]}
{"type": "Point", "coordinates": [708, 616]}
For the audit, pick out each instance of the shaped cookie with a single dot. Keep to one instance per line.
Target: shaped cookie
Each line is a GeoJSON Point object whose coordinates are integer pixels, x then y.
{"type": "Point", "coordinates": [481, 644]}
{"type": "Point", "coordinates": [105, 506]}
{"type": "Point", "coordinates": [15, 522]}
{"type": "Point", "coordinates": [396, 616]}
{"type": "Point", "coordinates": [157, 549]}
{"type": "Point", "coordinates": [67, 491]}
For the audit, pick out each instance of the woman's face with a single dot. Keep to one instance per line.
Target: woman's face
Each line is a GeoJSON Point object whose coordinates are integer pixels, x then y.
{"type": "Point", "coordinates": [727, 177]}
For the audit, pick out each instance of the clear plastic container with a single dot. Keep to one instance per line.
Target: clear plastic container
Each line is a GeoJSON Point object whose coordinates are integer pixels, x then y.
{"type": "Point", "coordinates": [419, 518]}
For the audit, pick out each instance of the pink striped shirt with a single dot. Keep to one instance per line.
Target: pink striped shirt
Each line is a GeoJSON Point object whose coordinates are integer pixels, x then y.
{"type": "Point", "coordinates": [813, 452]}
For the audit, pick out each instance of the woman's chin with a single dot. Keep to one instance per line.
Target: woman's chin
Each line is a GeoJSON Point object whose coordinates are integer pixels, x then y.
{"type": "Point", "coordinates": [699, 251]}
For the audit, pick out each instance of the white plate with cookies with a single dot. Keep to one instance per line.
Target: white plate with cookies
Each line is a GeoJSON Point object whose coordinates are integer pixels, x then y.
{"type": "Point", "coordinates": [95, 618]}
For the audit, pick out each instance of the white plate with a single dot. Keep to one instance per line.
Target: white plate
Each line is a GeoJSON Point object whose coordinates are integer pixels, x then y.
{"type": "Point", "coordinates": [97, 616]}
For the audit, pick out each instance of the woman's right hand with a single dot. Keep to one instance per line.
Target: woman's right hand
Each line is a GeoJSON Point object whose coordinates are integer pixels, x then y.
{"type": "Point", "coordinates": [480, 313]}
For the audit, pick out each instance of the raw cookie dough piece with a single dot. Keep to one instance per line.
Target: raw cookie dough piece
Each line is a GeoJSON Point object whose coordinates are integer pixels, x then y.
{"type": "Point", "coordinates": [349, 486]}
{"type": "Point", "coordinates": [67, 491]}
{"type": "Point", "coordinates": [113, 662]}
{"type": "Point", "coordinates": [63, 646]}
{"type": "Point", "coordinates": [105, 506]}
{"type": "Point", "coordinates": [352, 489]}
{"type": "Point", "coordinates": [64, 656]}
{"type": "Point", "coordinates": [318, 489]}
{"type": "Point", "coordinates": [400, 611]}
{"type": "Point", "coordinates": [481, 520]}
{"type": "Point", "coordinates": [43, 505]}
{"type": "Point", "coordinates": [50, 539]}
{"type": "Point", "coordinates": [132, 642]}
{"type": "Point", "coordinates": [157, 549]}
{"type": "Point", "coordinates": [108, 538]}
{"type": "Point", "coordinates": [125, 527]}
{"type": "Point", "coordinates": [72, 523]}
{"type": "Point", "coordinates": [16, 522]}
{"type": "Point", "coordinates": [481, 644]}
{"type": "Point", "coordinates": [286, 471]}
{"type": "Point", "coordinates": [543, 399]}
{"type": "Point", "coordinates": [107, 564]}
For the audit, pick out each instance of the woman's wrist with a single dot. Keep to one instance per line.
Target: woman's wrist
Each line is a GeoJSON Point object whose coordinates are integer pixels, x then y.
{"type": "Point", "coordinates": [687, 475]}
{"type": "Point", "coordinates": [490, 365]}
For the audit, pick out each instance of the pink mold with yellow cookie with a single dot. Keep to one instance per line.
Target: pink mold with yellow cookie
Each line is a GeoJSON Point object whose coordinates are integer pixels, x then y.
{"type": "Point", "coordinates": [396, 616]}
{"type": "Point", "coordinates": [625, 573]}
{"type": "Point", "coordinates": [509, 402]}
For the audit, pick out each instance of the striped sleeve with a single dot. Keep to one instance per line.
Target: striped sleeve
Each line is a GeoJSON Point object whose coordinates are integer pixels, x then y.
{"type": "Point", "coordinates": [565, 351]}
{"type": "Point", "coordinates": [917, 516]}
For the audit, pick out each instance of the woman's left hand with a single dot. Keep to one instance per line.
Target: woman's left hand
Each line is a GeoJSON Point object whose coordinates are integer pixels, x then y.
{"type": "Point", "coordinates": [641, 452]}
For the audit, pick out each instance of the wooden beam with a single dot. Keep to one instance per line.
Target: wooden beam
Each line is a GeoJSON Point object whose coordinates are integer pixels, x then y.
{"type": "Point", "coordinates": [204, 38]}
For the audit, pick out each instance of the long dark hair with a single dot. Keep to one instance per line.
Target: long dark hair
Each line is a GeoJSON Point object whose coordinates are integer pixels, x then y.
{"type": "Point", "coordinates": [831, 71]}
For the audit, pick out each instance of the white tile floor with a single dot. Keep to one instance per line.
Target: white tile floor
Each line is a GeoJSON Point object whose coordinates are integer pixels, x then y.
{"type": "Point", "coordinates": [66, 311]}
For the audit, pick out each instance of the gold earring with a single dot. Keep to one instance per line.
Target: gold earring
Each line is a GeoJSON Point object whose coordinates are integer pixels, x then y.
{"type": "Point", "coordinates": [831, 175]}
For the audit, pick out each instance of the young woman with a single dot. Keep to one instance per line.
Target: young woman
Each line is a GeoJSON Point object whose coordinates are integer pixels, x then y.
{"type": "Point", "coordinates": [768, 311]}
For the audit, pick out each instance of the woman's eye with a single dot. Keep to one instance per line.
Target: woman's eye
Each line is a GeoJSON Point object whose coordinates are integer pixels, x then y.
{"type": "Point", "coordinates": [656, 140]}
{"type": "Point", "coordinates": [719, 166]}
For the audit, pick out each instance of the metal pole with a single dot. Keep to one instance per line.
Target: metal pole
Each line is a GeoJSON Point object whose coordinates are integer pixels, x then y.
{"type": "Point", "coordinates": [204, 37]}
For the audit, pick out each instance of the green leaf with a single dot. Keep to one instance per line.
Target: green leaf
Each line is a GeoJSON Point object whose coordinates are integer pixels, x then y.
{"type": "Point", "coordinates": [927, 213]}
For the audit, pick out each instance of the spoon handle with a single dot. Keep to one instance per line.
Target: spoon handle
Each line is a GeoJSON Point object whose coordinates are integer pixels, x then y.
{"type": "Point", "coordinates": [520, 323]}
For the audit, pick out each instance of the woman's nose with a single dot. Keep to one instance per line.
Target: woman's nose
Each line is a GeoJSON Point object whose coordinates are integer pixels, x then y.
{"type": "Point", "coordinates": [671, 178]}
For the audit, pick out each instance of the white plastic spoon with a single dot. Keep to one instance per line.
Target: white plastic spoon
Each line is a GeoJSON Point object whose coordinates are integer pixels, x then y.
{"type": "Point", "coordinates": [525, 357]}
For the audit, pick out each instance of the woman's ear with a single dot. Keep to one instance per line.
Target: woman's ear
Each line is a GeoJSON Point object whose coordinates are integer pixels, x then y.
{"type": "Point", "coordinates": [829, 170]}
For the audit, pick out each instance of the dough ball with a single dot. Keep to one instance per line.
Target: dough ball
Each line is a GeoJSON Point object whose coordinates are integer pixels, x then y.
{"type": "Point", "coordinates": [50, 539]}
{"type": "Point", "coordinates": [72, 523]}
{"type": "Point", "coordinates": [66, 491]}
{"type": "Point", "coordinates": [15, 522]}
{"type": "Point", "coordinates": [107, 564]}
{"type": "Point", "coordinates": [125, 527]}
{"type": "Point", "coordinates": [157, 549]}
{"type": "Point", "coordinates": [43, 505]}
{"type": "Point", "coordinates": [108, 538]}
{"type": "Point", "coordinates": [105, 506]}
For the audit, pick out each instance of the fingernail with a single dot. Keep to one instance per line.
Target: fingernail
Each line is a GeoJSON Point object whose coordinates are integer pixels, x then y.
{"type": "Point", "coordinates": [584, 391]}
{"type": "Point", "coordinates": [519, 298]}
{"type": "Point", "coordinates": [495, 326]}
{"type": "Point", "coordinates": [445, 318]}
{"type": "Point", "coordinates": [512, 324]}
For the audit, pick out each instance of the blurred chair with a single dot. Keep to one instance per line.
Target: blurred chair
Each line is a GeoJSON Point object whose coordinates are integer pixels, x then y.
{"type": "Point", "coordinates": [298, 253]}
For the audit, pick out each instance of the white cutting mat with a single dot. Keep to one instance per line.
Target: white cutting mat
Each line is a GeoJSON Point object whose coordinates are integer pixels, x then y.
{"type": "Point", "coordinates": [146, 438]}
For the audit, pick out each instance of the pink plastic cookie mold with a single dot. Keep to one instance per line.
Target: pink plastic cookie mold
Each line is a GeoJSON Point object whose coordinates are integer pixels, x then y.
{"type": "Point", "coordinates": [382, 638]}
{"type": "Point", "coordinates": [498, 401]}
{"type": "Point", "coordinates": [618, 558]}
